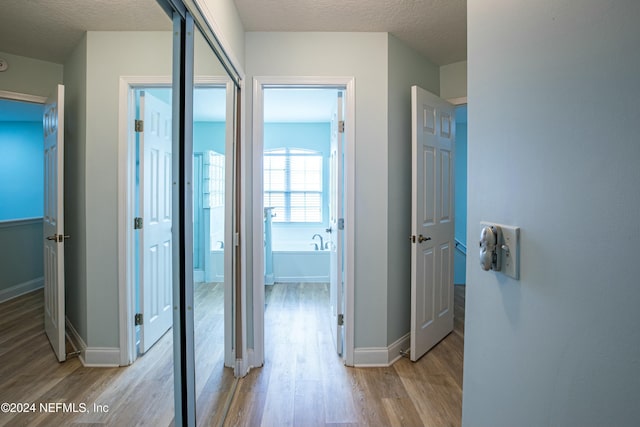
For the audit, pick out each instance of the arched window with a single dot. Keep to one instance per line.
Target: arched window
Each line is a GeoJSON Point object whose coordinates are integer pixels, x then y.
{"type": "Point", "coordinates": [293, 184]}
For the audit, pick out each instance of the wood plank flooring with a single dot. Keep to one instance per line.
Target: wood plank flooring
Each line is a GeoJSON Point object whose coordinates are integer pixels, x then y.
{"type": "Point", "coordinates": [304, 383]}
{"type": "Point", "coordinates": [140, 394]}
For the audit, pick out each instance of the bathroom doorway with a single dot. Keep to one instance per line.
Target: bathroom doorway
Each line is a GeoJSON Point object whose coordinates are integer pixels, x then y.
{"type": "Point", "coordinates": [303, 153]}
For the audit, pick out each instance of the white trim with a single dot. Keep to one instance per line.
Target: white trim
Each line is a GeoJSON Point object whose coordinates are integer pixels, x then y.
{"type": "Point", "coordinates": [370, 357]}
{"type": "Point", "coordinates": [101, 357]}
{"type": "Point", "coordinates": [21, 289]}
{"type": "Point", "coordinates": [208, 15]}
{"type": "Point", "coordinates": [19, 222]}
{"type": "Point", "coordinates": [229, 208]}
{"type": "Point", "coordinates": [348, 83]}
{"type": "Point", "coordinates": [92, 357]}
{"type": "Point", "coordinates": [15, 96]}
{"type": "Point", "coordinates": [126, 202]}
{"type": "Point", "coordinates": [458, 101]}
{"type": "Point", "coordinates": [301, 279]}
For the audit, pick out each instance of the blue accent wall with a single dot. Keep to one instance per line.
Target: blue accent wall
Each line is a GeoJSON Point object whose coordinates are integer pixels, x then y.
{"type": "Point", "coordinates": [310, 136]}
{"type": "Point", "coordinates": [21, 170]}
{"type": "Point", "coordinates": [209, 136]}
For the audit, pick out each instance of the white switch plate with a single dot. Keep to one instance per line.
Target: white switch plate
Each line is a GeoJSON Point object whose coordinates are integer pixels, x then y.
{"type": "Point", "coordinates": [510, 257]}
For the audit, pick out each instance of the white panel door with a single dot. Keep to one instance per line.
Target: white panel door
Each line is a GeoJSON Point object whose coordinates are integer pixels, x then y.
{"type": "Point", "coordinates": [432, 220]}
{"type": "Point", "coordinates": [156, 292]}
{"type": "Point", "coordinates": [336, 282]}
{"type": "Point", "coordinates": [53, 222]}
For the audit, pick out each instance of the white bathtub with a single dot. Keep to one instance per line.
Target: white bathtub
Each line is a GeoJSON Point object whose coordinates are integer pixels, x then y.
{"type": "Point", "coordinates": [293, 266]}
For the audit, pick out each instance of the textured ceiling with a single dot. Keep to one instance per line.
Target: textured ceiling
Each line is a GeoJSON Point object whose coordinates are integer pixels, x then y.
{"type": "Point", "coordinates": [49, 29]}
{"type": "Point", "coordinates": [436, 28]}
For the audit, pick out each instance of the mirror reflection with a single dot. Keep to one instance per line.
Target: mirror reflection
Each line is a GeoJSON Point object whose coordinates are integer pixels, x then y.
{"type": "Point", "coordinates": [110, 357]}
{"type": "Point", "coordinates": [212, 139]}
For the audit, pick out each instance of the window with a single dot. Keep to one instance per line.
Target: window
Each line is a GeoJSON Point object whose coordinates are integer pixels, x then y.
{"type": "Point", "coordinates": [216, 179]}
{"type": "Point", "coordinates": [293, 184]}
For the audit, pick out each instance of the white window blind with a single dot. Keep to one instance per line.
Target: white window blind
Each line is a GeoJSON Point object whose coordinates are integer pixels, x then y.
{"type": "Point", "coordinates": [293, 184]}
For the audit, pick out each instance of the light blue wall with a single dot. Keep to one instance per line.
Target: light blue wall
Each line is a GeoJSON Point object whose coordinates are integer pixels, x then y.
{"type": "Point", "coordinates": [21, 262]}
{"type": "Point", "coordinates": [29, 76]}
{"type": "Point", "coordinates": [75, 216]}
{"type": "Point", "coordinates": [109, 55]}
{"type": "Point", "coordinates": [209, 136]}
{"type": "Point", "coordinates": [310, 136]}
{"type": "Point", "coordinates": [553, 115]}
{"type": "Point", "coordinates": [21, 170]}
{"type": "Point", "coordinates": [459, 262]}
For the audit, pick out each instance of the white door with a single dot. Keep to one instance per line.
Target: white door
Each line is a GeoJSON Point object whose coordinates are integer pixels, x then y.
{"type": "Point", "coordinates": [155, 240]}
{"type": "Point", "coordinates": [432, 220]}
{"type": "Point", "coordinates": [335, 229]}
{"type": "Point", "coordinates": [53, 222]}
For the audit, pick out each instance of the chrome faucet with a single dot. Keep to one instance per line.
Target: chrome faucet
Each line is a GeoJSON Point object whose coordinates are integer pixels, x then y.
{"type": "Point", "coordinates": [321, 241]}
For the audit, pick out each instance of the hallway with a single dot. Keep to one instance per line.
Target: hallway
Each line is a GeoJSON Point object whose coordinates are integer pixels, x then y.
{"type": "Point", "coordinates": [304, 382]}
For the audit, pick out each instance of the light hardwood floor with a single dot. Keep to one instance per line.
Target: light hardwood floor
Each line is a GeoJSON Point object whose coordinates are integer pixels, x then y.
{"type": "Point", "coordinates": [304, 383]}
{"type": "Point", "coordinates": [140, 394]}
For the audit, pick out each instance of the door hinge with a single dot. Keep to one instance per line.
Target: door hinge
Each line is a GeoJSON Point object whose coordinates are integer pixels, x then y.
{"type": "Point", "coordinates": [341, 126]}
{"type": "Point", "coordinates": [340, 319]}
{"type": "Point", "coordinates": [138, 319]}
{"type": "Point", "coordinates": [137, 223]}
{"type": "Point", "coordinates": [139, 125]}
{"type": "Point", "coordinates": [340, 223]}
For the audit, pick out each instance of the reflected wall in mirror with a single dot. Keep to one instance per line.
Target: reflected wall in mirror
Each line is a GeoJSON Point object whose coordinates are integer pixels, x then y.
{"type": "Point", "coordinates": [212, 157]}
{"type": "Point", "coordinates": [115, 72]}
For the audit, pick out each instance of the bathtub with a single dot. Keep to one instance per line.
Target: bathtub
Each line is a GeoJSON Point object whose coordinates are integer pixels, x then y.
{"type": "Point", "coordinates": [296, 262]}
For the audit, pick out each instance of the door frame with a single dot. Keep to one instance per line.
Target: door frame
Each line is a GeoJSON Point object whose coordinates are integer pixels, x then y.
{"type": "Point", "coordinates": [127, 200]}
{"type": "Point", "coordinates": [256, 357]}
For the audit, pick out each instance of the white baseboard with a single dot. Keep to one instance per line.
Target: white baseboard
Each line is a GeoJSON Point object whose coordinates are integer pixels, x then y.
{"type": "Point", "coordinates": [380, 356]}
{"type": "Point", "coordinates": [21, 289]}
{"type": "Point", "coordinates": [301, 279]}
{"type": "Point", "coordinates": [92, 357]}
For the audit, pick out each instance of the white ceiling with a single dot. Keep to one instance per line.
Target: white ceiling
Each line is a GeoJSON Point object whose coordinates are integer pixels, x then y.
{"type": "Point", "coordinates": [436, 28]}
{"type": "Point", "coordinates": [49, 29]}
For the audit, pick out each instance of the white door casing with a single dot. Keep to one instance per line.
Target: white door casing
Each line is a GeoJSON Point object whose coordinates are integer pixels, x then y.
{"type": "Point", "coordinates": [336, 281]}
{"type": "Point", "coordinates": [53, 222]}
{"type": "Point", "coordinates": [156, 292]}
{"type": "Point", "coordinates": [256, 356]}
{"type": "Point", "coordinates": [432, 220]}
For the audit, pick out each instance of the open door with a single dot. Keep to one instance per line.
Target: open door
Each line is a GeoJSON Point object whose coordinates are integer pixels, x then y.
{"type": "Point", "coordinates": [336, 227]}
{"type": "Point", "coordinates": [53, 222]}
{"type": "Point", "coordinates": [432, 220]}
{"type": "Point", "coordinates": [156, 292]}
